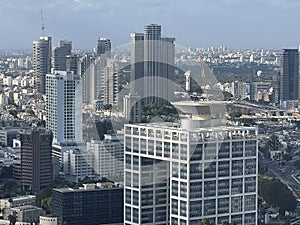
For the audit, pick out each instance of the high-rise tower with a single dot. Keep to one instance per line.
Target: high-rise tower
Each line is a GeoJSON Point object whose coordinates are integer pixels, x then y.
{"type": "Point", "coordinates": [109, 89]}
{"type": "Point", "coordinates": [152, 65]}
{"type": "Point", "coordinates": [103, 47]}
{"type": "Point", "coordinates": [36, 159]}
{"type": "Point", "coordinates": [41, 62]}
{"type": "Point", "coordinates": [289, 76]}
{"type": "Point", "coordinates": [64, 107]}
{"type": "Point", "coordinates": [182, 173]}
{"type": "Point", "coordinates": [60, 54]}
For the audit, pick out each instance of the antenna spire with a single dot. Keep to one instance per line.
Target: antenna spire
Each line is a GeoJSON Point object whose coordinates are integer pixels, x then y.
{"type": "Point", "coordinates": [43, 25]}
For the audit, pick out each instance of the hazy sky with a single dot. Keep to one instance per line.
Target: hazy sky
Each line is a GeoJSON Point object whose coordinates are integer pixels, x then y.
{"type": "Point", "coordinates": [271, 24]}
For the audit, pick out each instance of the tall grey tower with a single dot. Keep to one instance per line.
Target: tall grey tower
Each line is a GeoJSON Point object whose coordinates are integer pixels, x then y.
{"type": "Point", "coordinates": [103, 47]}
{"type": "Point", "coordinates": [289, 79]}
{"type": "Point", "coordinates": [60, 54]}
{"type": "Point", "coordinates": [41, 62]}
{"type": "Point", "coordinates": [152, 65]}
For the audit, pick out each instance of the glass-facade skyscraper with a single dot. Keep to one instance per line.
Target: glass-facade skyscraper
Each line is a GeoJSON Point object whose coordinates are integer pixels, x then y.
{"type": "Point", "coordinates": [182, 173]}
{"type": "Point", "coordinates": [60, 54]}
{"type": "Point", "coordinates": [289, 79]}
{"type": "Point", "coordinates": [152, 65]}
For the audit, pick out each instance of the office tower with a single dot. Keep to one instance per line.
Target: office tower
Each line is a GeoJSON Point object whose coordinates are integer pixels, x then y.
{"type": "Point", "coordinates": [103, 47]}
{"type": "Point", "coordinates": [132, 108]}
{"type": "Point", "coordinates": [137, 62]}
{"type": "Point", "coordinates": [289, 79]}
{"type": "Point", "coordinates": [182, 173]}
{"type": "Point", "coordinates": [72, 62]}
{"type": "Point", "coordinates": [109, 90]}
{"type": "Point", "coordinates": [36, 159]}
{"type": "Point", "coordinates": [93, 205]}
{"type": "Point", "coordinates": [41, 62]}
{"type": "Point", "coordinates": [108, 157]}
{"type": "Point", "coordinates": [86, 72]}
{"type": "Point", "coordinates": [98, 78]}
{"type": "Point", "coordinates": [60, 54]}
{"type": "Point", "coordinates": [152, 65]}
{"type": "Point", "coordinates": [64, 108]}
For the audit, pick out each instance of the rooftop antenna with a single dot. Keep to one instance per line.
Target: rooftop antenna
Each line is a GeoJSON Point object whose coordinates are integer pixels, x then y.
{"type": "Point", "coordinates": [43, 25]}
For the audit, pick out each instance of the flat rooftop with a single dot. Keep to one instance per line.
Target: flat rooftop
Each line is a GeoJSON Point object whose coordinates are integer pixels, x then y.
{"type": "Point", "coordinates": [177, 127]}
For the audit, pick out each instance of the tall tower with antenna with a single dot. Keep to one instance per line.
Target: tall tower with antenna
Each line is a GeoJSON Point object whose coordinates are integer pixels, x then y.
{"type": "Point", "coordinates": [41, 60]}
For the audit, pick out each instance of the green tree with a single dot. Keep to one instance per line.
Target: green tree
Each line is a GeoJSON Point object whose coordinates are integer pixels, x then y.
{"type": "Point", "coordinates": [13, 112]}
{"type": "Point", "coordinates": [167, 113]}
{"type": "Point", "coordinates": [43, 194]}
{"type": "Point", "coordinates": [227, 95]}
{"type": "Point", "coordinates": [30, 112]}
{"type": "Point", "coordinates": [235, 115]}
{"type": "Point", "coordinates": [104, 127]}
{"type": "Point", "coordinates": [6, 172]}
{"type": "Point", "coordinates": [107, 107]}
{"type": "Point", "coordinates": [275, 193]}
{"type": "Point", "coordinates": [204, 221]}
{"type": "Point", "coordinates": [46, 204]}
{"type": "Point", "coordinates": [225, 223]}
{"type": "Point", "coordinates": [12, 219]}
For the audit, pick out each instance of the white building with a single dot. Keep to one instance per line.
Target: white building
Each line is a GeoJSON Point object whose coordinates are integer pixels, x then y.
{"type": "Point", "coordinates": [7, 222]}
{"type": "Point", "coordinates": [108, 157]}
{"type": "Point", "coordinates": [78, 164]}
{"type": "Point", "coordinates": [7, 81]}
{"type": "Point", "coordinates": [110, 83]}
{"type": "Point", "coordinates": [45, 220]}
{"type": "Point", "coordinates": [239, 90]}
{"type": "Point", "coordinates": [132, 108]}
{"type": "Point", "coordinates": [64, 109]}
{"type": "Point", "coordinates": [17, 201]}
{"type": "Point", "coordinates": [180, 174]}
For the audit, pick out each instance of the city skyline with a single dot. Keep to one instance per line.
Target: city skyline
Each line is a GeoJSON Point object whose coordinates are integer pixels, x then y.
{"type": "Point", "coordinates": [208, 23]}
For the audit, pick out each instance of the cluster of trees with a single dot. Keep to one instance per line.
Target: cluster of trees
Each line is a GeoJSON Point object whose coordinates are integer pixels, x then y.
{"type": "Point", "coordinates": [235, 115]}
{"type": "Point", "coordinates": [104, 127]}
{"type": "Point", "coordinates": [275, 193]}
{"type": "Point", "coordinates": [6, 172]}
{"type": "Point", "coordinates": [9, 189]}
{"type": "Point", "coordinates": [167, 113]}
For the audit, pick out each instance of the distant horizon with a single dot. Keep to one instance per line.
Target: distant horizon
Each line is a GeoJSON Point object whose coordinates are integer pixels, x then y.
{"type": "Point", "coordinates": [205, 47]}
{"type": "Point", "coordinates": [237, 24]}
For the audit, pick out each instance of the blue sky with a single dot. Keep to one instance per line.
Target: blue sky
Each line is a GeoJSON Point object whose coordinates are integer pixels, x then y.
{"type": "Point", "coordinates": [238, 24]}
